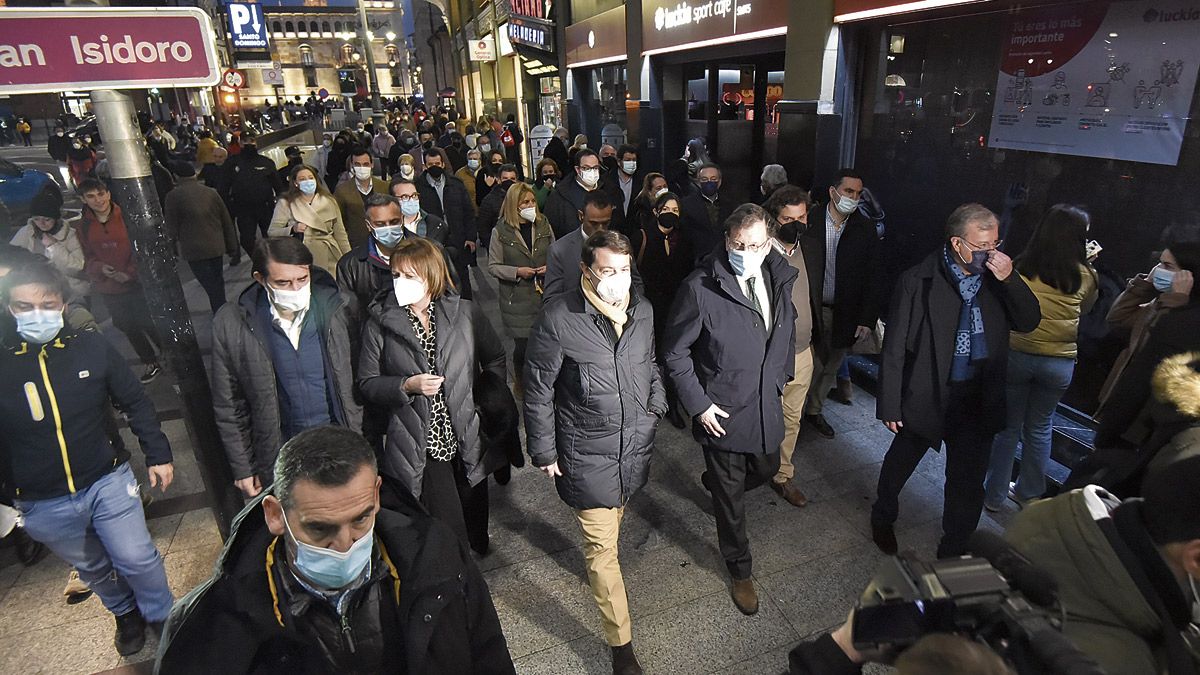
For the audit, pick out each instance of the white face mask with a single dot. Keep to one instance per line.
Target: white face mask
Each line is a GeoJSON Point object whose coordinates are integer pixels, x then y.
{"type": "Point", "coordinates": [661, 192]}
{"type": "Point", "coordinates": [529, 214]}
{"type": "Point", "coordinates": [362, 172]}
{"type": "Point", "coordinates": [589, 178]}
{"type": "Point", "coordinates": [629, 167]}
{"type": "Point", "coordinates": [845, 205]}
{"type": "Point", "coordinates": [290, 301]}
{"type": "Point", "coordinates": [408, 291]}
{"type": "Point", "coordinates": [473, 164]}
{"type": "Point", "coordinates": [614, 289]}
{"type": "Point", "coordinates": [406, 171]}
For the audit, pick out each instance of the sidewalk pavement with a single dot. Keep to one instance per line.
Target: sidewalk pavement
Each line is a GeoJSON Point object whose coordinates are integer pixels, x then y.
{"type": "Point", "coordinates": [810, 564]}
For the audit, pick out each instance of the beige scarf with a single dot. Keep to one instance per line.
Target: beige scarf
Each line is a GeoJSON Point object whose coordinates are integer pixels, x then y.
{"type": "Point", "coordinates": [614, 313]}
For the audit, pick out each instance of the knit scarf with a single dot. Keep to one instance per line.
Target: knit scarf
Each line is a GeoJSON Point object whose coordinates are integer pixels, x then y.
{"type": "Point", "coordinates": [969, 343]}
{"type": "Point", "coordinates": [614, 313]}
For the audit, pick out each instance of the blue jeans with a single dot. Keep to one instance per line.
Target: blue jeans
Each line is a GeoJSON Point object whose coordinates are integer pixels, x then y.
{"type": "Point", "coordinates": [1035, 386]}
{"type": "Point", "coordinates": [101, 532]}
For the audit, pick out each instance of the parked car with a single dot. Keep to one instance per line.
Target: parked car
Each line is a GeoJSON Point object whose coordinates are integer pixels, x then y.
{"type": "Point", "coordinates": [18, 186]}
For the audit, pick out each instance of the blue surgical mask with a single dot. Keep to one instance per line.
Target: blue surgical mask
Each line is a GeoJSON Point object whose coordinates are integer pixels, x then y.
{"type": "Point", "coordinates": [410, 208]}
{"type": "Point", "coordinates": [745, 263]}
{"type": "Point", "coordinates": [1162, 279]}
{"type": "Point", "coordinates": [39, 325]}
{"type": "Point", "coordinates": [331, 569]}
{"type": "Point", "coordinates": [308, 187]}
{"type": "Point", "coordinates": [978, 262]}
{"type": "Point", "coordinates": [389, 235]}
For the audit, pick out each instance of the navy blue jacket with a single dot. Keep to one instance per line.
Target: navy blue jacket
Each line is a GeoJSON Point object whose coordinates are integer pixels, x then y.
{"type": "Point", "coordinates": [53, 402]}
{"type": "Point", "coordinates": [716, 351]}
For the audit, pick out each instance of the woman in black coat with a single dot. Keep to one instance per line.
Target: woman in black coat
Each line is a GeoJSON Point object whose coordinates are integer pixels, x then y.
{"type": "Point", "coordinates": [665, 258]}
{"type": "Point", "coordinates": [422, 348]}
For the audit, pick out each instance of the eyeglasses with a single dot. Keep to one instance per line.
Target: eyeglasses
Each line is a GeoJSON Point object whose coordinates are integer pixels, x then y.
{"type": "Point", "coordinates": [408, 198]}
{"type": "Point", "coordinates": [985, 247]}
{"type": "Point", "coordinates": [750, 248]}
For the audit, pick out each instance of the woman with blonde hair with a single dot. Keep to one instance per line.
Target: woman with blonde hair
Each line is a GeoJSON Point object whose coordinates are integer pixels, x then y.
{"type": "Point", "coordinates": [422, 347]}
{"type": "Point", "coordinates": [308, 211]}
{"type": "Point", "coordinates": [517, 258]}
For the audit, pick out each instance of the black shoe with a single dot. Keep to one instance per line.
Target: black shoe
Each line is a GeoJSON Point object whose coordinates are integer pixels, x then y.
{"type": "Point", "coordinates": [29, 552]}
{"type": "Point", "coordinates": [675, 417]}
{"type": "Point", "coordinates": [884, 537]}
{"type": "Point", "coordinates": [625, 661]}
{"type": "Point", "coordinates": [819, 423]}
{"type": "Point", "coordinates": [131, 633]}
{"type": "Point", "coordinates": [152, 371]}
{"type": "Point", "coordinates": [503, 475]}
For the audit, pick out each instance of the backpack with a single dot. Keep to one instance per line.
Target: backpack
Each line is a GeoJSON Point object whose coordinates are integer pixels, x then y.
{"type": "Point", "coordinates": [506, 137]}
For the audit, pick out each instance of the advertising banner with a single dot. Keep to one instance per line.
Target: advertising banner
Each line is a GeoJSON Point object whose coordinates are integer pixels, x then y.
{"type": "Point", "coordinates": [673, 24]}
{"type": "Point", "coordinates": [50, 50]}
{"type": "Point", "coordinates": [1098, 79]}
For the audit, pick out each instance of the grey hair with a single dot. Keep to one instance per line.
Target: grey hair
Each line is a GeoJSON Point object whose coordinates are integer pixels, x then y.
{"type": "Point", "coordinates": [774, 175]}
{"type": "Point", "coordinates": [329, 456]}
{"type": "Point", "coordinates": [746, 216]}
{"type": "Point", "coordinates": [968, 214]}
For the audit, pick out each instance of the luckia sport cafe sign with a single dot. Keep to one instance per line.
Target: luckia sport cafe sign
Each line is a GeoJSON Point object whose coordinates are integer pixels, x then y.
{"type": "Point", "coordinates": [55, 49]}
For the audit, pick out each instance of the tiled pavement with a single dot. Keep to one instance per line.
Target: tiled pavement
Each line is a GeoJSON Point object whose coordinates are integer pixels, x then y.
{"type": "Point", "coordinates": [810, 564]}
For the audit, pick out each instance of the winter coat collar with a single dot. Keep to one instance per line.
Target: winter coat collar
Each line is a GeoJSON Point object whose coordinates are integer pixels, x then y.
{"type": "Point", "coordinates": [775, 266]}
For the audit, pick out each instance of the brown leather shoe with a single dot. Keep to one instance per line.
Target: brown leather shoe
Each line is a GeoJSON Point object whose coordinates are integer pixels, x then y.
{"type": "Point", "coordinates": [790, 493]}
{"type": "Point", "coordinates": [745, 597]}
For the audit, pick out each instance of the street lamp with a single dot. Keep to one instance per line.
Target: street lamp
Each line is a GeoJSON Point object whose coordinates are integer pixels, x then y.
{"type": "Point", "coordinates": [372, 76]}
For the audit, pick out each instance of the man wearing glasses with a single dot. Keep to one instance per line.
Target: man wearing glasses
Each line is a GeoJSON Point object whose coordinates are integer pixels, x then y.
{"type": "Point", "coordinates": [943, 369]}
{"type": "Point", "coordinates": [729, 350]}
{"type": "Point", "coordinates": [702, 213]}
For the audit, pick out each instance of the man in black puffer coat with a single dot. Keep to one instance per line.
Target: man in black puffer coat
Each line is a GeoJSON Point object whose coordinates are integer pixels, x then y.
{"type": "Point", "coordinates": [402, 597]}
{"type": "Point", "coordinates": [593, 399]}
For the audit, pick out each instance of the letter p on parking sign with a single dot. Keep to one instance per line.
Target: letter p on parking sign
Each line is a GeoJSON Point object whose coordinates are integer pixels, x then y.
{"type": "Point", "coordinates": [247, 26]}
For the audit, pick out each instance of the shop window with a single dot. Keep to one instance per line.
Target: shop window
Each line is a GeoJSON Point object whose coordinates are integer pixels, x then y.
{"type": "Point", "coordinates": [924, 124]}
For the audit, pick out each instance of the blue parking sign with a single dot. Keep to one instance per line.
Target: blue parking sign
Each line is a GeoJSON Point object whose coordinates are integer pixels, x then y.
{"type": "Point", "coordinates": [247, 26]}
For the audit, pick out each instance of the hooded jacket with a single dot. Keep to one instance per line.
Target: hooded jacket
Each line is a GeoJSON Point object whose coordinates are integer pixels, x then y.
{"type": "Point", "coordinates": [391, 353]}
{"type": "Point", "coordinates": [425, 609]}
{"type": "Point", "coordinates": [107, 243]}
{"type": "Point", "coordinates": [66, 253]}
{"type": "Point", "coordinates": [593, 401]}
{"type": "Point", "coordinates": [54, 400]}
{"type": "Point", "coordinates": [244, 387]}
{"type": "Point", "coordinates": [1118, 596]}
{"type": "Point", "coordinates": [717, 352]}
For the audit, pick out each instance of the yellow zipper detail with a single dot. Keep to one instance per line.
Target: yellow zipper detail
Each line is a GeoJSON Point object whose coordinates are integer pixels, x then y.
{"type": "Point", "coordinates": [62, 441]}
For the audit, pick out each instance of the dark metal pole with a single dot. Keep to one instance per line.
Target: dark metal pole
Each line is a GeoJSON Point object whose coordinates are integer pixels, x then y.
{"type": "Point", "coordinates": [372, 76]}
{"type": "Point", "coordinates": [133, 188]}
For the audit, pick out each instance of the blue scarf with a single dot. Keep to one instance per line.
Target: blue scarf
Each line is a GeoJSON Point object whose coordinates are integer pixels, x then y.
{"type": "Point", "coordinates": [969, 343]}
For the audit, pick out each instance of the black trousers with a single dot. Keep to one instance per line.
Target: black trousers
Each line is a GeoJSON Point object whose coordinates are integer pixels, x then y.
{"type": "Point", "coordinates": [519, 346]}
{"type": "Point", "coordinates": [251, 223]}
{"type": "Point", "coordinates": [447, 496]}
{"type": "Point", "coordinates": [131, 316]}
{"type": "Point", "coordinates": [462, 263]}
{"type": "Point", "coordinates": [968, 451]}
{"type": "Point", "coordinates": [730, 476]}
{"type": "Point", "coordinates": [210, 272]}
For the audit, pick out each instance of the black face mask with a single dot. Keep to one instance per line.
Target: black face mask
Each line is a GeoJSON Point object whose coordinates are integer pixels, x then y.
{"type": "Point", "coordinates": [435, 172]}
{"type": "Point", "coordinates": [428, 145]}
{"type": "Point", "coordinates": [507, 184]}
{"type": "Point", "coordinates": [668, 220]}
{"type": "Point", "coordinates": [789, 233]}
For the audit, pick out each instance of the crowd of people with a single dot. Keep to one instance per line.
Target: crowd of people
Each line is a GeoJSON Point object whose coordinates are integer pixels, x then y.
{"type": "Point", "coordinates": [364, 399]}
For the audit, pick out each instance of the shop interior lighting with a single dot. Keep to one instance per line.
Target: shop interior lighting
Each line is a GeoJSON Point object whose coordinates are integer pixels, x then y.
{"type": "Point", "coordinates": [900, 9]}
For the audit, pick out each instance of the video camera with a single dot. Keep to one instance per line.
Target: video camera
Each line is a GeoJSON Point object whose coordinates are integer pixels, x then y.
{"type": "Point", "coordinates": [998, 598]}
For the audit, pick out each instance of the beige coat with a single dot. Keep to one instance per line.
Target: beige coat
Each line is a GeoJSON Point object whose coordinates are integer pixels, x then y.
{"type": "Point", "coordinates": [66, 254]}
{"type": "Point", "coordinates": [324, 234]}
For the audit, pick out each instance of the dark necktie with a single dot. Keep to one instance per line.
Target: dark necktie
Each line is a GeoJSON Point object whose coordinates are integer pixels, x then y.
{"type": "Point", "coordinates": [750, 291]}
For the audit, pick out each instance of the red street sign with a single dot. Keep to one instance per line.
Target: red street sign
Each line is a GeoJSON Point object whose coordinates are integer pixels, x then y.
{"type": "Point", "coordinates": [55, 49]}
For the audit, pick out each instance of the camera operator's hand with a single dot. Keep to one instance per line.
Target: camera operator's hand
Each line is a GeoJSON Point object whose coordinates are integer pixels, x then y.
{"type": "Point", "coordinates": [844, 638]}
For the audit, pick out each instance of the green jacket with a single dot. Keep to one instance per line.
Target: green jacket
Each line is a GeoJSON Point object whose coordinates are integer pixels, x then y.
{"type": "Point", "coordinates": [1107, 617]}
{"type": "Point", "coordinates": [520, 299]}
